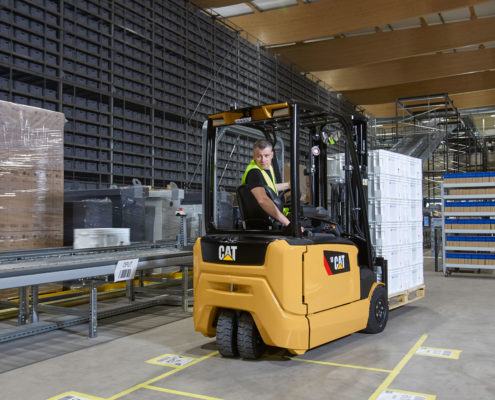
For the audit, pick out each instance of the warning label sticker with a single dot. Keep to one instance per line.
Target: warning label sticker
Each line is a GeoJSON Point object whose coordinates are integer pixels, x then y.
{"type": "Point", "coordinates": [171, 360]}
{"type": "Point", "coordinates": [436, 352]}
{"type": "Point", "coordinates": [74, 396]}
{"type": "Point", "coordinates": [396, 395]}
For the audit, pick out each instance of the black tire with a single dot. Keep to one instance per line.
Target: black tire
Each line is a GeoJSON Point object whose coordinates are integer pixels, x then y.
{"type": "Point", "coordinates": [227, 333]}
{"type": "Point", "coordinates": [249, 341]}
{"type": "Point", "coordinates": [378, 316]}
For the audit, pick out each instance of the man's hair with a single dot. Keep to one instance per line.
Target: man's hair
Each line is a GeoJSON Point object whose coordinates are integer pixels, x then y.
{"type": "Point", "coordinates": [262, 144]}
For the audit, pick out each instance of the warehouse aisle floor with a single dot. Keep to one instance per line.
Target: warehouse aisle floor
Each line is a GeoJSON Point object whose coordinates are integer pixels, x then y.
{"type": "Point", "coordinates": [155, 354]}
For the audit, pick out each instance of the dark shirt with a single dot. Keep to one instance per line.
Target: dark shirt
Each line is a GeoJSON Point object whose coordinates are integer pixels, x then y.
{"type": "Point", "coordinates": [255, 179]}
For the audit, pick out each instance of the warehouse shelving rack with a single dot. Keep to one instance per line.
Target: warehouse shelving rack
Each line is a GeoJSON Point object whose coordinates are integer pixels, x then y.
{"type": "Point", "coordinates": [468, 212]}
{"type": "Point", "coordinates": [136, 80]}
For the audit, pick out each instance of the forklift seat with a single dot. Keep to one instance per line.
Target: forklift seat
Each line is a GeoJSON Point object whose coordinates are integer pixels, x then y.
{"type": "Point", "coordinates": [252, 215]}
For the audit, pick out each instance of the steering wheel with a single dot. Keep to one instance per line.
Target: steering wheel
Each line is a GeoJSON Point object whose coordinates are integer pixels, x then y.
{"type": "Point", "coordinates": [281, 196]}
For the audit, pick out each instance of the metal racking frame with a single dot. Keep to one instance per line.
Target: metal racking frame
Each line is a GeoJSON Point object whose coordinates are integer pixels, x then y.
{"type": "Point", "coordinates": [136, 79]}
{"type": "Point", "coordinates": [445, 140]}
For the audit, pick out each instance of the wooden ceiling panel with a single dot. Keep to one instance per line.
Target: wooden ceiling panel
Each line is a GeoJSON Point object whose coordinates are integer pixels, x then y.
{"type": "Point", "coordinates": [409, 70]}
{"type": "Point", "coordinates": [482, 98]}
{"type": "Point", "coordinates": [383, 46]}
{"type": "Point", "coordinates": [331, 17]}
{"type": "Point", "coordinates": [451, 85]}
{"type": "Point", "coordinates": [374, 69]}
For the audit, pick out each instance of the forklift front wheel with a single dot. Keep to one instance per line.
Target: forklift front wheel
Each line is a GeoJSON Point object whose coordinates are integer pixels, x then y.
{"type": "Point", "coordinates": [249, 341]}
{"type": "Point", "coordinates": [227, 333]}
{"type": "Point", "coordinates": [378, 315]}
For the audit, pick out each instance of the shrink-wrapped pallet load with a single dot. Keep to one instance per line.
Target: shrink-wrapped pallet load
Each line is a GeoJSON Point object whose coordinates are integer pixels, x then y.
{"type": "Point", "coordinates": [31, 177]}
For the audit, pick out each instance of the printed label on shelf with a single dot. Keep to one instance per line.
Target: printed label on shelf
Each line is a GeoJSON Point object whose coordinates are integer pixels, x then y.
{"type": "Point", "coordinates": [171, 360]}
{"type": "Point", "coordinates": [125, 270]}
{"type": "Point", "coordinates": [436, 352]}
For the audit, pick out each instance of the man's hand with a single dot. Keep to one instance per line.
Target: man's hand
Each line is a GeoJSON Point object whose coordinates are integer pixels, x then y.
{"type": "Point", "coordinates": [282, 186]}
{"type": "Point", "coordinates": [269, 206]}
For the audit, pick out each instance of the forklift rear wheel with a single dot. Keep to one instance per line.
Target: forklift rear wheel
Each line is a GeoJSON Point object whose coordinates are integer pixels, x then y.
{"type": "Point", "coordinates": [378, 310]}
{"type": "Point", "coordinates": [227, 333]}
{"type": "Point", "coordinates": [249, 341]}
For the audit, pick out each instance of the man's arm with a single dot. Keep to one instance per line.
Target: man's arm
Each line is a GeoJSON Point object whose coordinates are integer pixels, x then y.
{"type": "Point", "coordinates": [269, 206]}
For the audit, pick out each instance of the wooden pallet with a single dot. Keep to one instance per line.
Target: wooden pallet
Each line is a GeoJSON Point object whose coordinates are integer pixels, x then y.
{"type": "Point", "coordinates": [406, 297]}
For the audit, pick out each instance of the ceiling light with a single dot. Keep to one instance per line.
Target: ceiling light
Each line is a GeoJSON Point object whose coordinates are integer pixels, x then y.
{"type": "Point", "coordinates": [274, 46]}
{"type": "Point", "coordinates": [319, 39]}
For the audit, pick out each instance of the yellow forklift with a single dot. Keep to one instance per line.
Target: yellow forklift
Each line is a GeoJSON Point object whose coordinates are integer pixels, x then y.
{"type": "Point", "coordinates": [257, 283]}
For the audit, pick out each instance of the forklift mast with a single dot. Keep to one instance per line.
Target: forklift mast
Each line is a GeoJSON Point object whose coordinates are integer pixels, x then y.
{"type": "Point", "coordinates": [303, 131]}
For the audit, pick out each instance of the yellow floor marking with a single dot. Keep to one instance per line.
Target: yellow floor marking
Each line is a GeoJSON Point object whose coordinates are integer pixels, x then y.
{"type": "Point", "coordinates": [389, 379]}
{"type": "Point", "coordinates": [414, 394]}
{"type": "Point", "coordinates": [76, 394]}
{"type": "Point", "coordinates": [341, 365]}
{"type": "Point", "coordinates": [149, 381]}
{"type": "Point", "coordinates": [438, 352]}
{"type": "Point", "coordinates": [196, 396]}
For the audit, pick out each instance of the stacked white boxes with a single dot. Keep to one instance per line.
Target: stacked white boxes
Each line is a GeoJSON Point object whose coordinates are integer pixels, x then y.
{"type": "Point", "coordinates": [101, 237]}
{"type": "Point", "coordinates": [395, 210]}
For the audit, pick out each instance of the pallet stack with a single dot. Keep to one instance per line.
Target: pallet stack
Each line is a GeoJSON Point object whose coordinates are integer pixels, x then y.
{"type": "Point", "coordinates": [31, 177]}
{"type": "Point", "coordinates": [396, 217]}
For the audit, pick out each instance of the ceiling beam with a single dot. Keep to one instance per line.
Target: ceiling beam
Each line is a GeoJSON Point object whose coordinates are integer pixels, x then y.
{"type": "Point", "coordinates": [451, 85]}
{"type": "Point", "coordinates": [407, 70]}
{"type": "Point", "coordinates": [386, 110]}
{"type": "Point", "coordinates": [483, 98]}
{"type": "Point", "coordinates": [383, 46]}
{"type": "Point", "coordinates": [331, 17]}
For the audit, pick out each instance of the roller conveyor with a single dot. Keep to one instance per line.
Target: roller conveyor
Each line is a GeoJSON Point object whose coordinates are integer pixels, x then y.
{"type": "Point", "coordinates": [30, 268]}
{"type": "Point", "coordinates": [34, 267]}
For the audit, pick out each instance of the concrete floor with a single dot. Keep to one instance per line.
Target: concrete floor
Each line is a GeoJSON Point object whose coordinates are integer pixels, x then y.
{"type": "Point", "coordinates": [143, 356]}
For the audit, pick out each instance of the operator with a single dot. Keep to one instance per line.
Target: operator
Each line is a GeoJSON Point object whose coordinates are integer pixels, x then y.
{"type": "Point", "coordinates": [259, 173]}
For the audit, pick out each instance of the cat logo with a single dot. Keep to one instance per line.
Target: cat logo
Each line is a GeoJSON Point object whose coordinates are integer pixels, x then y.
{"type": "Point", "coordinates": [336, 262]}
{"type": "Point", "coordinates": [226, 253]}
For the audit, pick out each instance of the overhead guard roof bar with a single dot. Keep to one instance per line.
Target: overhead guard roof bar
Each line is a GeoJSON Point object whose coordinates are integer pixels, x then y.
{"type": "Point", "coordinates": [254, 113]}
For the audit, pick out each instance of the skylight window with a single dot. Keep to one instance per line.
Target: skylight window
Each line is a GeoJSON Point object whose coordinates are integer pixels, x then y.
{"type": "Point", "coordinates": [232, 11]}
{"type": "Point", "coordinates": [457, 15]}
{"type": "Point", "coordinates": [485, 10]}
{"type": "Point", "coordinates": [433, 19]}
{"type": "Point", "coordinates": [406, 24]}
{"type": "Point", "coordinates": [265, 5]}
{"type": "Point", "coordinates": [360, 32]}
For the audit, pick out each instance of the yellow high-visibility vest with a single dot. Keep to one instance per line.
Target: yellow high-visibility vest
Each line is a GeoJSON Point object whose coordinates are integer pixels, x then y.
{"type": "Point", "coordinates": [269, 182]}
